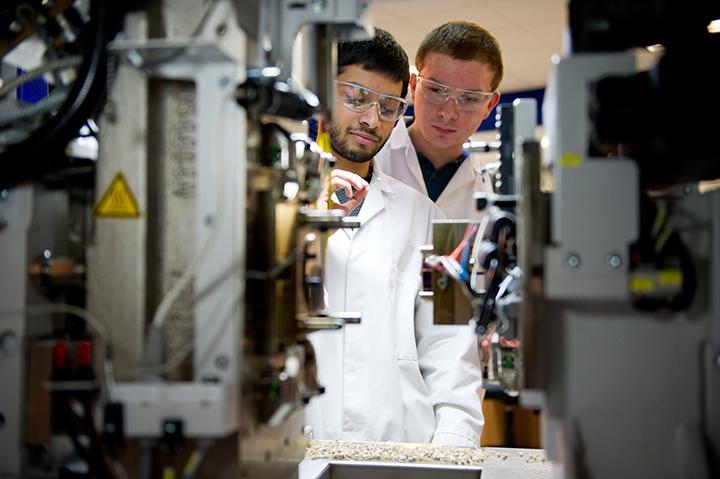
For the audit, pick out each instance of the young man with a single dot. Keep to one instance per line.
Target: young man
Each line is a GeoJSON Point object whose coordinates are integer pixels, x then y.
{"type": "Point", "coordinates": [460, 68]}
{"type": "Point", "coordinates": [395, 376]}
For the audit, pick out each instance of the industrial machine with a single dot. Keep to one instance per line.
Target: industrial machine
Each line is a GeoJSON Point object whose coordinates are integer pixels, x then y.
{"type": "Point", "coordinates": [161, 263]}
{"type": "Point", "coordinates": [620, 318]}
{"type": "Point", "coordinates": [608, 280]}
{"type": "Point", "coordinates": [161, 267]}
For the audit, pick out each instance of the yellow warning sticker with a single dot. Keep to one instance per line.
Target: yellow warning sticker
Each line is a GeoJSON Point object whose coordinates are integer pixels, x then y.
{"type": "Point", "coordinates": [118, 200]}
{"type": "Point", "coordinates": [670, 277]}
{"type": "Point", "coordinates": [570, 160]}
{"type": "Point", "coordinates": [642, 283]}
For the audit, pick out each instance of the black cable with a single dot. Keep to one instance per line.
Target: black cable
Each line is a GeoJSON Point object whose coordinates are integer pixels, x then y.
{"type": "Point", "coordinates": [488, 306]}
{"type": "Point", "coordinates": [683, 300]}
{"type": "Point", "coordinates": [38, 154]}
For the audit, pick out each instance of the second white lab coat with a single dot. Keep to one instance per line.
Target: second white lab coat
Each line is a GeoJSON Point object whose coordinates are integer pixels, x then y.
{"type": "Point", "coordinates": [398, 159]}
{"type": "Point", "coordinates": [395, 376]}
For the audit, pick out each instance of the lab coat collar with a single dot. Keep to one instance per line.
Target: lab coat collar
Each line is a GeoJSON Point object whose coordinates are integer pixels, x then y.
{"type": "Point", "coordinates": [375, 199]}
{"type": "Point", "coordinates": [468, 171]}
{"type": "Point", "coordinates": [400, 140]}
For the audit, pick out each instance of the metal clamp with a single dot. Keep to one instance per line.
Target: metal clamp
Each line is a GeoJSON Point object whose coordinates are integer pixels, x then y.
{"type": "Point", "coordinates": [324, 320]}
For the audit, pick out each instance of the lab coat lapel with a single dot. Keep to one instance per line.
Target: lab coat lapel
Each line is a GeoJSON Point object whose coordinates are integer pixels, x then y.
{"type": "Point", "coordinates": [402, 149]}
{"type": "Point", "coordinates": [374, 202]}
{"type": "Point", "coordinates": [468, 171]}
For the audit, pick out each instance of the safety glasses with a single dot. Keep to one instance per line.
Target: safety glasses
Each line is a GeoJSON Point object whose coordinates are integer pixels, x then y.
{"type": "Point", "coordinates": [359, 99]}
{"type": "Point", "coordinates": [438, 93]}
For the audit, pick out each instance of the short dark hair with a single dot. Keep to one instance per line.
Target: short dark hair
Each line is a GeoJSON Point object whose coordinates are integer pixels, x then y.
{"type": "Point", "coordinates": [463, 41]}
{"type": "Point", "coordinates": [381, 54]}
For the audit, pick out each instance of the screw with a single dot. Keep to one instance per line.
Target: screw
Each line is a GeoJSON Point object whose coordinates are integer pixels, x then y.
{"type": "Point", "coordinates": [442, 282]}
{"type": "Point", "coordinates": [170, 428]}
{"type": "Point", "coordinates": [572, 260]}
{"type": "Point", "coordinates": [224, 81]}
{"type": "Point", "coordinates": [717, 360]}
{"type": "Point", "coordinates": [319, 5]}
{"type": "Point", "coordinates": [614, 261]}
{"type": "Point", "coordinates": [4, 194]}
{"type": "Point", "coordinates": [221, 29]}
{"type": "Point", "coordinates": [209, 220]}
{"type": "Point", "coordinates": [221, 361]}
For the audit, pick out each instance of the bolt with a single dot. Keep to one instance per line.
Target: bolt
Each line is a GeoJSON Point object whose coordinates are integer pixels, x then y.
{"type": "Point", "coordinates": [221, 361]}
{"type": "Point", "coordinates": [573, 261]}
{"type": "Point", "coordinates": [319, 5]}
{"type": "Point", "coordinates": [614, 261]}
{"type": "Point", "coordinates": [4, 194]}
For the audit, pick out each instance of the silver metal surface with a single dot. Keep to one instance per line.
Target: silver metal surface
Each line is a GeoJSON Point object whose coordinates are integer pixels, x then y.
{"type": "Point", "coordinates": [206, 410]}
{"type": "Point", "coordinates": [711, 354]}
{"type": "Point", "coordinates": [525, 121]}
{"type": "Point", "coordinates": [284, 18]}
{"type": "Point", "coordinates": [588, 222]}
{"type": "Point", "coordinates": [355, 470]}
{"type": "Point", "coordinates": [616, 383]}
{"type": "Point", "coordinates": [497, 463]}
{"type": "Point", "coordinates": [532, 218]}
{"type": "Point", "coordinates": [116, 278]}
{"type": "Point", "coordinates": [16, 212]}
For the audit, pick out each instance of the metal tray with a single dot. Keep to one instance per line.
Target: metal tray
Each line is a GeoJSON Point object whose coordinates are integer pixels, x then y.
{"type": "Point", "coordinates": [387, 470]}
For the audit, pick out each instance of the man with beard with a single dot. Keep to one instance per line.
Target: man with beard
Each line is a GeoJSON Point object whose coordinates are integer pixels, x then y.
{"type": "Point", "coordinates": [395, 376]}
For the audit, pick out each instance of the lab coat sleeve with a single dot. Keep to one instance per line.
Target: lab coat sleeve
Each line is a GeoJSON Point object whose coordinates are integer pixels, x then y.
{"type": "Point", "coordinates": [449, 360]}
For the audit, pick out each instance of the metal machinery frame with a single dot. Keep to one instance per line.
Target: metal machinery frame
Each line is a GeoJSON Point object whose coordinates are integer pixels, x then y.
{"type": "Point", "coordinates": [217, 262]}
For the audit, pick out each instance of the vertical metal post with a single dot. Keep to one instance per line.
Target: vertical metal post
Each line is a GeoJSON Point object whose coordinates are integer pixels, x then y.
{"type": "Point", "coordinates": [15, 216]}
{"type": "Point", "coordinates": [506, 124]}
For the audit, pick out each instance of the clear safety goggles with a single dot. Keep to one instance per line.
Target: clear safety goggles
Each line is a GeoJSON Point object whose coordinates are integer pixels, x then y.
{"type": "Point", "coordinates": [359, 99]}
{"type": "Point", "coordinates": [438, 93]}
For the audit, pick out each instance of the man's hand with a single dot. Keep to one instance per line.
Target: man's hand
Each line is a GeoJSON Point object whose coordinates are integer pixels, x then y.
{"type": "Point", "coordinates": [353, 191]}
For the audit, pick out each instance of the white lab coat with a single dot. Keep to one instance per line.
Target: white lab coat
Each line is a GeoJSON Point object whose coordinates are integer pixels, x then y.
{"type": "Point", "coordinates": [399, 160]}
{"type": "Point", "coordinates": [395, 376]}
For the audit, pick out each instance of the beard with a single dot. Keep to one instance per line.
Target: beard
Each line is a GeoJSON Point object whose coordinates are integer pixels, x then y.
{"type": "Point", "coordinates": [338, 140]}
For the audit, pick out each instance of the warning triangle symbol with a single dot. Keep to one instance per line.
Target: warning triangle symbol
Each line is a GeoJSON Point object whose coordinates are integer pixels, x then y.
{"type": "Point", "coordinates": [118, 200]}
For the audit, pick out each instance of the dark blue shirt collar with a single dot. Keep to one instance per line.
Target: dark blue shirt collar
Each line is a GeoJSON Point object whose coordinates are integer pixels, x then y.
{"type": "Point", "coordinates": [437, 179]}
